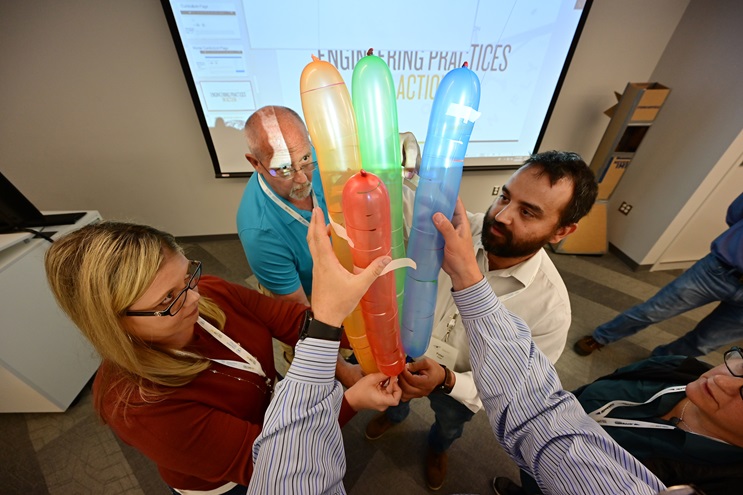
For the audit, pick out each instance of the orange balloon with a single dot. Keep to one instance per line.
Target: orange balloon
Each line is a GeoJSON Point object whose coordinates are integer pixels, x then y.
{"type": "Point", "coordinates": [330, 120]}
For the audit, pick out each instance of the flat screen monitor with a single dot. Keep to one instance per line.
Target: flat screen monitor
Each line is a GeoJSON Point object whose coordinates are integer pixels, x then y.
{"type": "Point", "coordinates": [240, 55]}
{"type": "Point", "coordinates": [17, 213]}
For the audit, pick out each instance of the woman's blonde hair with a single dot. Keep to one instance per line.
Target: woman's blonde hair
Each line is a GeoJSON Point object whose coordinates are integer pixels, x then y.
{"type": "Point", "coordinates": [96, 273]}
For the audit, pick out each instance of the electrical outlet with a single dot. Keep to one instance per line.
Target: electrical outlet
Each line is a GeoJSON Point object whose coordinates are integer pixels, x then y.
{"type": "Point", "coordinates": [625, 208]}
{"type": "Point", "coordinates": [496, 191]}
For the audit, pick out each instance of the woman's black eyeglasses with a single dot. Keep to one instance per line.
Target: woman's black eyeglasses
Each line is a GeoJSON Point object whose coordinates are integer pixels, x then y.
{"type": "Point", "coordinates": [180, 299]}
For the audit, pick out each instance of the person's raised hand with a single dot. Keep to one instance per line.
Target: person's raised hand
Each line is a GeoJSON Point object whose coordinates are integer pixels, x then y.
{"type": "Point", "coordinates": [421, 378]}
{"type": "Point", "coordinates": [374, 391]}
{"type": "Point", "coordinates": [459, 252]}
{"type": "Point", "coordinates": [335, 291]}
{"type": "Point", "coordinates": [411, 154]}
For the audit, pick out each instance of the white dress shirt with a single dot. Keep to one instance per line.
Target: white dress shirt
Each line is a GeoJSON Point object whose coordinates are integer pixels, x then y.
{"type": "Point", "coordinates": [532, 290]}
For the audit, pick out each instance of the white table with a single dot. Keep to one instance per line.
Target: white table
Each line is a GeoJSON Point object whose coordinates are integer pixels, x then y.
{"type": "Point", "coordinates": [44, 360]}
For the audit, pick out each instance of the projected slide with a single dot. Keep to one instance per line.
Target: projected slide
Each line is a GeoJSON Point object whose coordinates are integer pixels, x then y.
{"type": "Point", "coordinates": [242, 55]}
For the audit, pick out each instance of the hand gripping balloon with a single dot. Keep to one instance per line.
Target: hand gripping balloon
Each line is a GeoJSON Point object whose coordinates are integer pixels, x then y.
{"type": "Point", "coordinates": [366, 207]}
{"type": "Point", "coordinates": [374, 102]}
{"type": "Point", "coordinates": [449, 128]}
{"type": "Point", "coordinates": [330, 121]}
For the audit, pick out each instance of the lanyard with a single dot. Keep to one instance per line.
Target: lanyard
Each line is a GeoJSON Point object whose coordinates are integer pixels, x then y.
{"type": "Point", "coordinates": [600, 414]}
{"type": "Point", "coordinates": [283, 205]}
{"type": "Point", "coordinates": [251, 364]}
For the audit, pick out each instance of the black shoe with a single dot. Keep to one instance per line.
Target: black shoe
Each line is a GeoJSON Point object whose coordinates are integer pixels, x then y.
{"type": "Point", "coordinates": [378, 426]}
{"type": "Point", "coordinates": [504, 486]}
{"type": "Point", "coordinates": [586, 345]}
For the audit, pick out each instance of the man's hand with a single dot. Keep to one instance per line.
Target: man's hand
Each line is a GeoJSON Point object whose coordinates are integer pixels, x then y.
{"type": "Point", "coordinates": [459, 253]}
{"type": "Point", "coordinates": [374, 391]}
{"type": "Point", "coordinates": [421, 378]}
{"type": "Point", "coordinates": [335, 291]}
{"type": "Point", "coordinates": [411, 154]}
{"type": "Point", "coordinates": [346, 373]}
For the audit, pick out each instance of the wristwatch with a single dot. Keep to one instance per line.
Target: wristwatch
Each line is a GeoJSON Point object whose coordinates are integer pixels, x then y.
{"type": "Point", "coordinates": [318, 330]}
{"type": "Point", "coordinates": [448, 384]}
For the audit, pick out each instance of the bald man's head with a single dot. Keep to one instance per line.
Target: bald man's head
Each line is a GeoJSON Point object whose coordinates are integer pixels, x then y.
{"type": "Point", "coordinates": [280, 151]}
{"type": "Point", "coordinates": [268, 131]}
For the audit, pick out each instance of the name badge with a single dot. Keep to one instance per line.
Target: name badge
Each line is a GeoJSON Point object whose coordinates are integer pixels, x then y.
{"type": "Point", "coordinates": [442, 353]}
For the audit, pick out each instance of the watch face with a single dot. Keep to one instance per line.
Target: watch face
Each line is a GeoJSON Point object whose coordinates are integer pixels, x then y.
{"type": "Point", "coordinates": [305, 324]}
{"type": "Point", "coordinates": [319, 330]}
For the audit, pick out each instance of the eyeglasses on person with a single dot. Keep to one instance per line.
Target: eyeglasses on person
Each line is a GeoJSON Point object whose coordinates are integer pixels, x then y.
{"type": "Point", "coordinates": [734, 362]}
{"type": "Point", "coordinates": [288, 172]}
{"type": "Point", "coordinates": [180, 299]}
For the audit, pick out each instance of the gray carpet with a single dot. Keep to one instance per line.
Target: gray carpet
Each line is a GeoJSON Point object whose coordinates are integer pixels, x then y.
{"type": "Point", "coordinates": [72, 453]}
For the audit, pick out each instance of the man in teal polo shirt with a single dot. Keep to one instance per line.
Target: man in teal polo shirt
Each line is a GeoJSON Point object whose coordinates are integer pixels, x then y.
{"type": "Point", "coordinates": [277, 204]}
{"type": "Point", "coordinates": [276, 207]}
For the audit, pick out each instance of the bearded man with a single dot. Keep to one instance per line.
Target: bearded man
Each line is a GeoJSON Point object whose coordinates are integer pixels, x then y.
{"type": "Point", "coordinates": [541, 203]}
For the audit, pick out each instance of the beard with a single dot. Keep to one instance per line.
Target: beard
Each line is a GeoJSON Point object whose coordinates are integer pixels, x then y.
{"type": "Point", "coordinates": [506, 246]}
{"type": "Point", "coordinates": [301, 192]}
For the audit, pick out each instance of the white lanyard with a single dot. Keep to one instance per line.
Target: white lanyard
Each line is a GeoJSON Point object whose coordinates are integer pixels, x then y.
{"type": "Point", "coordinates": [251, 364]}
{"type": "Point", "coordinates": [599, 415]}
{"type": "Point", "coordinates": [283, 205]}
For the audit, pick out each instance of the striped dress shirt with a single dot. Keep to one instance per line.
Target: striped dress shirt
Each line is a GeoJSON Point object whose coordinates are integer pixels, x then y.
{"type": "Point", "coordinates": [300, 449]}
{"type": "Point", "coordinates": [541, 426]}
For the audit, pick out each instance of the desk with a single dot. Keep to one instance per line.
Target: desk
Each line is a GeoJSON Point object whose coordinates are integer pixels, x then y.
{"type": "Point", "coordinates": [44, 359]}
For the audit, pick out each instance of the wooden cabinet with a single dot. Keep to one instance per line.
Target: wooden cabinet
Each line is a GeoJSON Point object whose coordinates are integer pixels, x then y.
{"type": "Point", "coordinates": [631, 119]}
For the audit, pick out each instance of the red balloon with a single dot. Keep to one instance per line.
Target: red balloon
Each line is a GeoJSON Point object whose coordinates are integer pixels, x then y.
{"type": "Point", "coordinates": [366, 208]}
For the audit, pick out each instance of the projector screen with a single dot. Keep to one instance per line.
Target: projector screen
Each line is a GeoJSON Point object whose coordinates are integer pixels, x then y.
{"type": "Point", "coordinates": [241, 55]}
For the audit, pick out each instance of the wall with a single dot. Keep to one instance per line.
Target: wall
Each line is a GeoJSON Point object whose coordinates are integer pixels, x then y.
{"type": "Point", "coordinates": [96, 113]}
{"type": "Point", "coordinates": [621, 42]}
{"type": "Point", "coordinates": [697, 125]}
{"type": "Point", "coordinates": [606, 59]}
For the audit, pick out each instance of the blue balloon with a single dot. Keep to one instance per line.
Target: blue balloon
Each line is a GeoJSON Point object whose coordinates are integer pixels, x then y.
{"type": "Point", "coordinates": [449, 128]}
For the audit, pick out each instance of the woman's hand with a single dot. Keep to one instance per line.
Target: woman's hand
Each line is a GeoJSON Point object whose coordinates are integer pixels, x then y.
{"type": "Point", "coordinates": [335, 291]}
{"type": "Point", "coordinates": [374, 391]}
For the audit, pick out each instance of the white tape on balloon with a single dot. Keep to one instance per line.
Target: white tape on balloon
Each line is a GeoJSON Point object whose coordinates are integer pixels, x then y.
{"type": "Point", "coordinates": [468, 114]}
{"type": "Point", "coordinates": [340, 231]}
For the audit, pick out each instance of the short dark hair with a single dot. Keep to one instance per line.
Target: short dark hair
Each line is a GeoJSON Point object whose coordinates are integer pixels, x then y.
{"type": "Point", "coordinates": [568, 165]}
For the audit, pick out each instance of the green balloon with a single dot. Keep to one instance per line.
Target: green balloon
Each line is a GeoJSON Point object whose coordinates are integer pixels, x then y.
{"type": "Point", "coordinates": [375, 106]}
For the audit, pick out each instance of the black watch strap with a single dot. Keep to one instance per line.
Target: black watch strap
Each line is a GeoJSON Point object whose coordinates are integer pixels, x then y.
{"type": "Point", "coordinates": [447, 385]}
{"type": "Point", "coordinates": [318, 330]}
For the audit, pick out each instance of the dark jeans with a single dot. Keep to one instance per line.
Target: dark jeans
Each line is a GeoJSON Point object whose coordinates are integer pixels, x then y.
{"type": "Point", "coordinates": [708, 280]}
{"type": "Point", "coordinates": [451, 415]}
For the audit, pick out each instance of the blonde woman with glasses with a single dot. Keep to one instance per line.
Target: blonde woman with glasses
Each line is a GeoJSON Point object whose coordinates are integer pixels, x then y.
{"type": "Point", "coordinates": [187, 367]}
